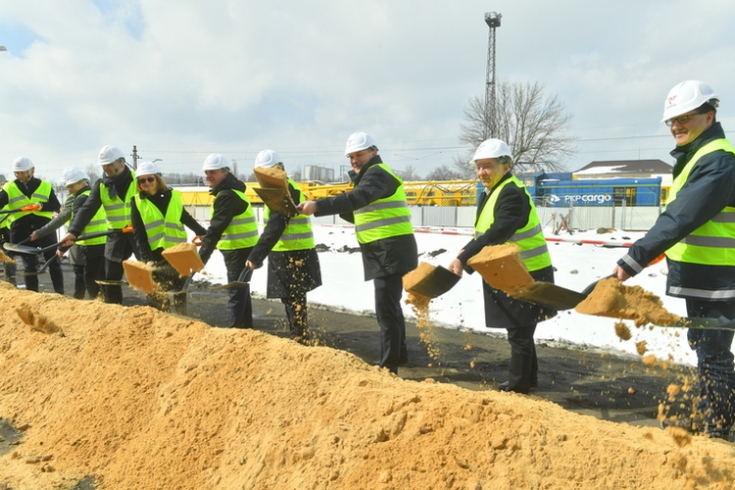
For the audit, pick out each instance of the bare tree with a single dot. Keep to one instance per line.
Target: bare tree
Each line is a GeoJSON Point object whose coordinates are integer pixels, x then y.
{"type": "Point", "coordinates": [409, 174]}
{"type": "Point", "coordinates": [444, 173]}
{"type": "Point", "coordinates": [534, 126]}
{"type": "Point", "coordinates": [92, 173]}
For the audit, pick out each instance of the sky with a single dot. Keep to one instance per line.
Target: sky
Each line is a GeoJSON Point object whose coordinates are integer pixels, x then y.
{"type": "Point", "coordinates": [576, 266]}
{"type": "Point", "coordinates": [182, 79]}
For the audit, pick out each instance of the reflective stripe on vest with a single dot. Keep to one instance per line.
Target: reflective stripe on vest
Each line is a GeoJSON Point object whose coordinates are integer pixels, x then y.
{"type": "Point", "coordinates": [386, 217]}
{"type": "Point", "coordinates": [97, 224]}
{"type": "Point", "coordinates": [163, 232]}
{"type": "Point", "coordinates": [713, 243]}
{"type": "Point", "coordinates": [530, 239]}
{"type": "Point", "coordinates": [16, 200]}
{"type": "Point", "coordinates": [297, 235]}
{"type": "Point", "coordinates": [242, 232]}
{"type": "Point", "coordinates": [117, 210]}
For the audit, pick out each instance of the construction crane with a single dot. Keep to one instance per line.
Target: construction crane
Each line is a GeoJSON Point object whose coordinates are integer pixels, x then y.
{"type": "Point", "coordinates": [492, 19]}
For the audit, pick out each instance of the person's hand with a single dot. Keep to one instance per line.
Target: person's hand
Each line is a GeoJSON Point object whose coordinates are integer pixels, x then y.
{"type": "Point", "coordinates": [250, 265]}
{"type": "Point", "coordinates": [197, 240]}
{"type": "Point", "coordinates": [34, 236]}
{"type": "Point", "coordinates": [60, 253]}
{"type": "Point", "coordinates": [67, 240]}
{"type": "Point", "coordinates": [308, 207]}
{"type": "Point", "coordinates": [620, 273]}
{"type": "Point", "coordinates": [456, 267]}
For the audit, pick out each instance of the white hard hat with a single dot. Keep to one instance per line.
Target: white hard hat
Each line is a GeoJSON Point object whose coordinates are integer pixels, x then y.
{"type": "Point", "coordinates": [22, 164]}
{"type": "Point", "coordinates": [146, 168]}
{"type": "Point", "coordinates": [72, 175]}
{"type": "Point", "coordinates": [687, 96]}
{"type": "Point", "coordinates": [215, 161]}
{"type": "Point", "coordinates": [110, 154]}
{"type": "Point", "coordinates": [358, 141]}
{"type": "Point", "coordinates": [492, 148]}
{"type": "Point", "coordinates": [267, 159]}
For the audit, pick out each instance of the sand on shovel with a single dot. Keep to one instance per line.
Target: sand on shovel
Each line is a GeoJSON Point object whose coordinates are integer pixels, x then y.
{"type": "Point", "coordinates": [502, 268]}
{"type": "Point", "coordinates": [184, 258]}
{"type": "Point", "coordinates": [613, 299]}
{"type": "Point", "coordinates": [140, 275]}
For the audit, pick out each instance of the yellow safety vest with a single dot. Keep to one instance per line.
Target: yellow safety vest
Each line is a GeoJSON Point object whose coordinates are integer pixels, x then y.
{"type": "Point", "coordinates": [16, 200]}
{"type": "Point", "coordinates": [96, 225]}
{"type": "Point", "coordinates": [117, 210]}
{"type": "Point", "coordinates": [530, 239]}
{"type": "Point", "coordinates": [713, 243]}
{"type": "Point", "coordinates": [162, 231]}
{"type": "Point", "coordinates": [298, 234]}
{"type": "Point", "coordinates": [386, 217]}
{"type": "Point", "coordinates": [242, 232]}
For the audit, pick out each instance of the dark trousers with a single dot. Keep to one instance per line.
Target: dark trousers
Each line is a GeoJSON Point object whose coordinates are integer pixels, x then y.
{"type": "Point", "coordinates": [715, 367]}
{"type": "Point", "coordinates": [79, 287]}
{"type": "Point", "coordinates": [296, 312]}
{"type": "Point", "coordinates": [388, 292]}
{"type": "Point", "coordinates": [239, 302]}
{"type": "Point", "coordinates": [113, 272]}
{"type": "Point", "coordinates": [523, 370]}
{"type": "Point", "coordinates": [30, 266]}
{"type": "Point", "coordinates": [94, 270]}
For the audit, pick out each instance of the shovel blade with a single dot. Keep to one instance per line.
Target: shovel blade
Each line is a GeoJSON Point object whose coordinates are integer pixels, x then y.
{"type": "Point", "coordinates": [551, 296]}
{"type": "Point", "coordinates": [433, 281]}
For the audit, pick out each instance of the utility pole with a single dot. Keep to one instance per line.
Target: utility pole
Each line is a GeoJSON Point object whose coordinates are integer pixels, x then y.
{"type": "Point", "coordinates": [135, 157]}
{"type": "Point", "coordinates": [492, 19]}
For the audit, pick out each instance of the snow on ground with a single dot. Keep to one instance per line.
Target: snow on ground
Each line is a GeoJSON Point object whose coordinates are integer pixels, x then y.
{"type": "Point", "coordinates": [576, 267]}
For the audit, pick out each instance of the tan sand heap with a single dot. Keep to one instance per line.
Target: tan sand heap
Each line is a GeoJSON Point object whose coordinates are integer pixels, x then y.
{"type": "Point", "coordinates": [612, 298]}
{"type": "Point", "coordinates": [502, 268]}
{"type": "Point", "coordinates": [184, 258]}
{"type": "Point", "coordinates": [139, 399]}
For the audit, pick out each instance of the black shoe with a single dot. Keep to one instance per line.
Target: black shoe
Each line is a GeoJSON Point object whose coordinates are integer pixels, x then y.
{"type": "Point", "coordinates": [403, 360]}
{"type": "Point", "coordinates": [505, 385]}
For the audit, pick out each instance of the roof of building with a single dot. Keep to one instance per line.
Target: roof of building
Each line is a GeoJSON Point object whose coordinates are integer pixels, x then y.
{"type": "Point", "coordinates": [625, 167]}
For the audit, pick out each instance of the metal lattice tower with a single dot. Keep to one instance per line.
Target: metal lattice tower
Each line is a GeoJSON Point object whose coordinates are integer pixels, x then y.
{"type": "Point", "coordinates": [492, 19]}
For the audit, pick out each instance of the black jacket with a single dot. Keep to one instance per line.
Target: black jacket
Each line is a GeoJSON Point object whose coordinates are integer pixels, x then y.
{"type": "Point", "coordinates": [709, 188]}
{"type": "Point", "coordinates": [161, 200]}
{"type": "Point", "coordinates": [226, 206]}
{"type": "Point", "coordinates": [394, 255]}
{"type": "Point", "coordinates": [512, 211]}
{"type": "Point", "coordinates": [23, 227]}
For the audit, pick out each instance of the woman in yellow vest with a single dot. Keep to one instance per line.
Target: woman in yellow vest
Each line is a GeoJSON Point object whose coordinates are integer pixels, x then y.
{"type": "Point", "coordinates": [293, 264]}
{"type": "Point", "coordinates": [506, 214]}
{"type": "Point", "coordinates": [86, 256]}
{"type": "Point", "coordinates": [158, 216]}
{"type": "Point", "coordinates": [697, 232]}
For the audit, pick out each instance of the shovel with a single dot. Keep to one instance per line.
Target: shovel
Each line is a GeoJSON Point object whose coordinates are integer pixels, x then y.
{"type": "Point", "coordinates": [557, 298]}
{"type": "Point", "coordinates": [42, 269]}
{"type": "Point", "coordinates": [26, 209]}
{"type": "Point", "coordinates": [242, 281]}
{"type": "Point", "coordinates": [21, 248]}
{"type": "Point", "coordinates": [429, 280]}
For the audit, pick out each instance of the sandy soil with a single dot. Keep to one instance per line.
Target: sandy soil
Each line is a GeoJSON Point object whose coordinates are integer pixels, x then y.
{"type": "Point", "coordinates": [133, 398]}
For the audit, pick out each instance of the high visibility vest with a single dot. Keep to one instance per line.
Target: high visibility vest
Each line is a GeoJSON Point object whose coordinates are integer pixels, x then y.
{"type": "Point", "coordinates": [386, 217]}
{"type": "Point", "coordinates": [96, 225]}
{"type": "Point", "coordinates": [713, 243]}
{"type": "Point", "coordinates": [117, 210]}
{"type": "Point", "coordinates": [16, 200]}
{"type": "Point", "coordinates": [242, 232]}
{"type": "Point", "coordinates": [162, 231]}
{"type": "Point", "coordinates": [297, 235]}
{"type": "Point", "coordinates": [530, 239]}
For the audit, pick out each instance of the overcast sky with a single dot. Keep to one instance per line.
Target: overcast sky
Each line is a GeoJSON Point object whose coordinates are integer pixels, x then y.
{"type": "Point", "coordinates": [182, 79]}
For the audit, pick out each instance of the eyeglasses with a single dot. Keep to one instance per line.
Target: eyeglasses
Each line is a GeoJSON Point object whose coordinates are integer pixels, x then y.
{"type": "Point", "coordinates": [683, 119]}
{"type": "Point", "coordinates": [143, 180]}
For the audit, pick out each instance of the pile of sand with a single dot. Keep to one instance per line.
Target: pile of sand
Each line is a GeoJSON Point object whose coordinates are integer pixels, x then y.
{"type": "Point", "coordinates": [143, 400]}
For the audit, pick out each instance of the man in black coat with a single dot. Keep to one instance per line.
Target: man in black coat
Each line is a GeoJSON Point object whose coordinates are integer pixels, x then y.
{"type": "Point", "coordinates": [506, 214]}
{"type": "Point", "coordinates": [114, 191]}
{"type": "Point", "coordinates": [25, 190]}
{"type": "Point", "coordinates": [377, 205]}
